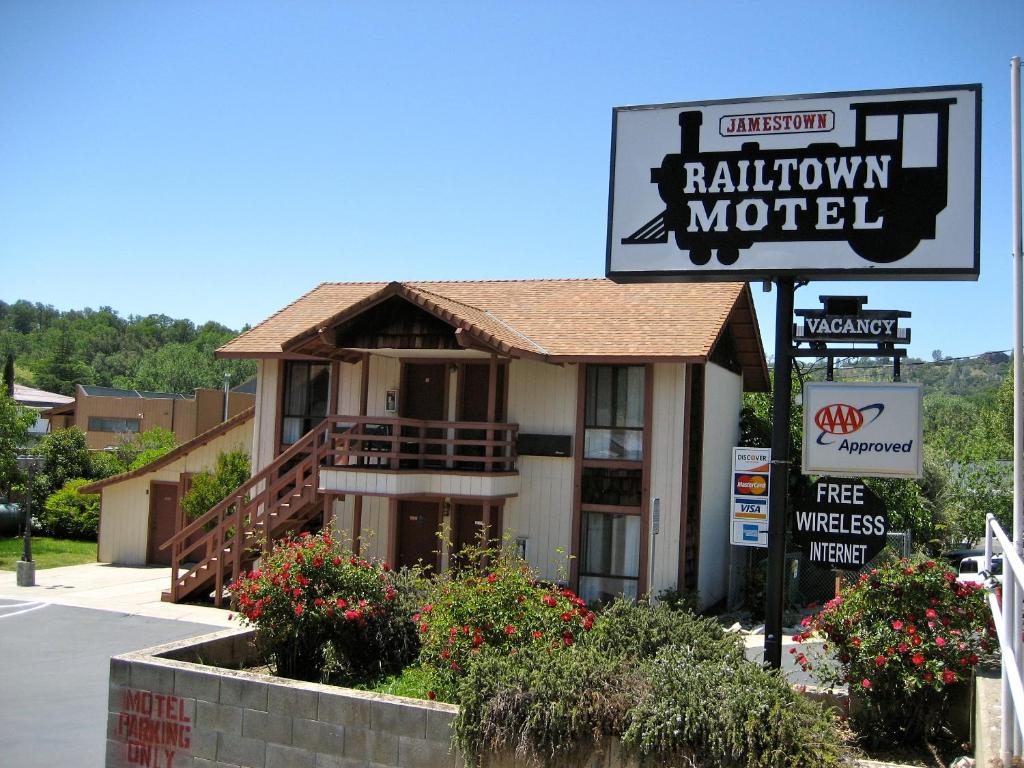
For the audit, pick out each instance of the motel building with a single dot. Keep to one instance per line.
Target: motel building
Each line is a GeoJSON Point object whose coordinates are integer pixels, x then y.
{"type": "Point", "coordinates": [564, 416]}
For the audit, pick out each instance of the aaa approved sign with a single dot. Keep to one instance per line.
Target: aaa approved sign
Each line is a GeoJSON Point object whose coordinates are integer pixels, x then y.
{"type": "Point", "coordinates": [750, 484]}
{"type": "Point", "coordinates": [862, 430]}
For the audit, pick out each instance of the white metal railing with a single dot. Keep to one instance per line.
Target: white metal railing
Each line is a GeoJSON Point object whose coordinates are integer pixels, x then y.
{"type": "Point", "coordinates": [1006, 617]}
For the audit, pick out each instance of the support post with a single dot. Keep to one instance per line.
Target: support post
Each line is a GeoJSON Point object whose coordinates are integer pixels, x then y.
{"type": "Point", "coordinates": [777, 510]}
{"type": "Point", "coordinates": [1011, 736]}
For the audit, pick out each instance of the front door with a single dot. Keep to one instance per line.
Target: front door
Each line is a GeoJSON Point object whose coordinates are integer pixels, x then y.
{"type": "Point", "coordinates": [163, 512]}
{"type": "Point", "coordinates": [418, 523]}
{"type": "Point", "coordinates": [424, 396]}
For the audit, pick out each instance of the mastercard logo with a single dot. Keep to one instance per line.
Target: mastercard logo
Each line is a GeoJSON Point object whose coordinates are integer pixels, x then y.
{"type": "Point", "coordinates": [751, 485]}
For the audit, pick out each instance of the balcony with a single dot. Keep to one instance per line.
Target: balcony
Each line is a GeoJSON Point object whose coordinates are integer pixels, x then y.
{"type": "Point", "coordinates": [374, 456]}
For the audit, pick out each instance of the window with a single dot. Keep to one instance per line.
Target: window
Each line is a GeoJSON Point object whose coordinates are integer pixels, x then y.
{"type": "Point", "coordinates": [614, 415]}
{"type": "Point", "coordinates": [112, 424]}
{"type": "Point", "coordinates": [306, 394]}
{"type": "Point", "coordinates": [612, 487]}
{"type": "Point", "coordinates": [610, 556]}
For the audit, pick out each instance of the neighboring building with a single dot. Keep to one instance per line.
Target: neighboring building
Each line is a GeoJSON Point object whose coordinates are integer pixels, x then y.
{"type": "Point", "coordinates": [140, 510]}
{"type": "Point", "coordinates": [554, 412]}
{"type": "Point", "coordinates": [40, 401]}
{"type": "Point", "coordinates": [109, 415]}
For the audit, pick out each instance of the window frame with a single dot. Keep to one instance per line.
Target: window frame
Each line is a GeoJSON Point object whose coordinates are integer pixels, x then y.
{"type": "Point", "coordinates": [309, 419]}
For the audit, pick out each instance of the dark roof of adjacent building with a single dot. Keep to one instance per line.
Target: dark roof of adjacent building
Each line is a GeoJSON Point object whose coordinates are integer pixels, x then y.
{"type": "Point", "coordinates": [93, 391]}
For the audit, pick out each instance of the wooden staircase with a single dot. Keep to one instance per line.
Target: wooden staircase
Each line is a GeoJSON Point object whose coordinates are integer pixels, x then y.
{"type": "Point", "coordinates": [221, 544]}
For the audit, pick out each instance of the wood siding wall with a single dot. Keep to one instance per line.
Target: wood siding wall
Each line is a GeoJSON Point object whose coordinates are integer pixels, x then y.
{"type": "Point", "coordinates": [723, 400]}
{"type": "Point", "coordinates": [668, 429]}
{"type": "Point", "coordinates": [265, 419]}
{"type": "Point", "coordinates": [124, 513]}
{"type": "Point", "coordinates": [542, 399]}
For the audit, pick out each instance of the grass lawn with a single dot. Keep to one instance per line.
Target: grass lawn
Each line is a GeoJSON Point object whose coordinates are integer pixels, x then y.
{"type": "Point", "coordinates": [47, 553]}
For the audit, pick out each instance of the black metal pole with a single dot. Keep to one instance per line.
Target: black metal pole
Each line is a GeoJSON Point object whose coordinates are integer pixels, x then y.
{"type": "Point", "coordinates": [26, 554]}
{"type": "Point", "coordinates": [777, 510]}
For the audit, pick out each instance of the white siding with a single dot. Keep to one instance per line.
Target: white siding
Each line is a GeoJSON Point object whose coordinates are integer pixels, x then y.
{"type": "Point", "coordinates": [124, 506]}
{"type": "Point", "coordinates": [375, 527]}
{"type": "Point", "coordinates": [385, 374]}
{"type": "Point", "coordinates": [265, 421]}
{"type": "Point", "coordinates": [723, 398]}
{"type": "Point", "coordinates": [350, 375]}
{"type": "Point", "coordinates": [542, 399]}
{"type": "Point", "coordinates": [667, 440]}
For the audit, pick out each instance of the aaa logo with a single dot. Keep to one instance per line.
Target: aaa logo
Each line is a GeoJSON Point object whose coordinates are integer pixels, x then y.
{"type": "Point", "coordinates": [843, 419]}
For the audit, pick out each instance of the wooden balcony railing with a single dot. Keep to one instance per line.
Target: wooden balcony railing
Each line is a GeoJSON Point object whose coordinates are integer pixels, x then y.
{"type": "Point", "coordinates": [397, 443]}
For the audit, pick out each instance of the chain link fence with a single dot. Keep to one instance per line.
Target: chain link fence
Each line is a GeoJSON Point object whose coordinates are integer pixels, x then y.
{"type": "Point", "coordinates": [807, 584]}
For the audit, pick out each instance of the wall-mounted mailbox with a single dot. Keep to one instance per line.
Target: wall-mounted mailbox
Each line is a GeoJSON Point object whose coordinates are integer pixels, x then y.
{"type": "Point", "coordinates": [544, 445]}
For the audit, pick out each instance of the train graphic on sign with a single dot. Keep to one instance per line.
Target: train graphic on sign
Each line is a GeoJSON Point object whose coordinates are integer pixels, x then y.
{"type": "Point", "coordinates": [881, 195]}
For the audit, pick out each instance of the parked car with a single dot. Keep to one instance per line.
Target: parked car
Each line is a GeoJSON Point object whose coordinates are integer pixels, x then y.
{"type": "Point", "coordinates": [972, 570]}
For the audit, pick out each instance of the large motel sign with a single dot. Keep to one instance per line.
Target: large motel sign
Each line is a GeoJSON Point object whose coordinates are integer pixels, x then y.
{"type": "Point", "coordinates": [880, 185]}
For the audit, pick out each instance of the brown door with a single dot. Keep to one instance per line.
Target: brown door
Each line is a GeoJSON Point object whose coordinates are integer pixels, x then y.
{"type": "Point", "coordinates": [424, 396]}
{"type": "Point", "coordinates": [418, 522]}
{"type": "Point", "coordinates": [474, 388]}
{"type": "Point", "coordinates": [468, 527]}
{"type": "Point", "coordinates": [163, 511]}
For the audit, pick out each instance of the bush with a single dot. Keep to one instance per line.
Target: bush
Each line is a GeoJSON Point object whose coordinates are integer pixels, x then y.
{"type": "Point", "coordinates": [675, 688]}
{"type": "Point", "coordinates": [141, 448]}
{"type": "Point", "coordinates": [70, 514]}
{"type": "Point", "coordinates": [902, 635]}
{"type": "Point", "coordinates": [502, 607]}
{"type": "Point", "coordinates": [322, 613]}
{"type": "Point", "coordinates": [104, 464]}
{"type": "Point", "coordinates": [209, 488]}
{"type": "Point", "coordinates": [727, 713]}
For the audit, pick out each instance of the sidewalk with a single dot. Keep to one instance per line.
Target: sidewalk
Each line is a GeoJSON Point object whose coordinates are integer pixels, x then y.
{"type": "Point", "coordinates": [125, 589]}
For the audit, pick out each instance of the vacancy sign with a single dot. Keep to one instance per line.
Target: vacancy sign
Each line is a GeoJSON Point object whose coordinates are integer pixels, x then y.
{"type": "Point", "coordinates": [872, 184]}
{"type": "Point", "coordinates": [862, 430]}
{"type": "Point", "coordinates": [750, 483]}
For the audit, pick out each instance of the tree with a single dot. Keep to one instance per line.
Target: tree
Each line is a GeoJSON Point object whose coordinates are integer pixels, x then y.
{"type": "Point", "coordinates": [66, 456]}
{"type": "Point", "coordinates": [208, 488]}
{"type": "Point", "coordinates": [144, 447]}
{"type": "Point", "coordinates": [15, 421]}
{"type": "Point", "coordinates": [60, 370]}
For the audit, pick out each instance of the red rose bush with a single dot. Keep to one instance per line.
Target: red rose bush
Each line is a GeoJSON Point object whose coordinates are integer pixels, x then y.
{"type": "Point", "coordinates": [901, 637]}
{"type": "Point", "coordinates": [500, 606]}
{"type": "Point", "coordinates": [322, 612]}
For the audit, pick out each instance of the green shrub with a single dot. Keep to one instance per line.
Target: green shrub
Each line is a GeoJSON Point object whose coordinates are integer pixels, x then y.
{"type": "Point", "coordinates": [70, 514]}
{"type": "Point", "coordinates": [501, 606]}
{"type": "Point", "coordinates": [902, 635]}
{"type": "Point", "coordinates": [104, 464]}
{"type": "Point", "coordinates": [209, 488]}
{"type": "Point", "coordinates": [322, 613]}
{"type": "Point", "coordinates": [693, 711]}
{"type": "Point", "coordinates": [143, 447]}
{"type": "Point", "coordinates": [674, 687]}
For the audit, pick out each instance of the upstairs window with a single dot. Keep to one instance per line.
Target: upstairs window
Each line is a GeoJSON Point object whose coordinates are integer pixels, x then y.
{"type": "Point", "coordinates": [306, 394]}
{"type": "Point", "coordinates": [112, 424]}
{"type": "Point", "coordinates": [614, 414]}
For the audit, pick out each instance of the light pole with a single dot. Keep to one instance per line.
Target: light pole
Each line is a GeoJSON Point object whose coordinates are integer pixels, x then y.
{"type": "Point", "coordinates": [26, 567]}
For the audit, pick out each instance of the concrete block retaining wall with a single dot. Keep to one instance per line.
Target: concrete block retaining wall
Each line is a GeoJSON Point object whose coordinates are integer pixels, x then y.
{"type": "Point", "coordinates": [168, 710]}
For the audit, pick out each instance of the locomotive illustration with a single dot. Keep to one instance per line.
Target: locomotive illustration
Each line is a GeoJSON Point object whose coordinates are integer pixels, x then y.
{"type": "Point", "coordinates": [881, 195]}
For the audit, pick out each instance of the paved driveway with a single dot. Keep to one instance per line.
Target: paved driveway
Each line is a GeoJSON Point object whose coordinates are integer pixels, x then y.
{"type": "Point", "coordinates": [54, 664]}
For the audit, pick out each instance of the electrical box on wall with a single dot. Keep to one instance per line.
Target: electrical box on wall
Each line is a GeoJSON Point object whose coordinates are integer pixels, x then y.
{"type": "Point", "coordinates": [544, 445]}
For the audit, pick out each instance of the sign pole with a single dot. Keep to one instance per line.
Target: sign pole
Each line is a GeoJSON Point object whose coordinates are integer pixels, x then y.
{"type": "Point", "coordinates": [1011, 737]}
{"type": "Point", "coordinates": [778, 503]}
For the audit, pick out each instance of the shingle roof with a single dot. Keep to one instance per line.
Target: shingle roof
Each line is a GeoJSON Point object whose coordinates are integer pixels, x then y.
{"type": "Point", "coordinates": [559, 320]}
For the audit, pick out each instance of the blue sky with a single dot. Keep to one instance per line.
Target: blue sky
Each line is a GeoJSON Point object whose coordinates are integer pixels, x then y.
{"type": "Point", "coordinates": [214, 160]}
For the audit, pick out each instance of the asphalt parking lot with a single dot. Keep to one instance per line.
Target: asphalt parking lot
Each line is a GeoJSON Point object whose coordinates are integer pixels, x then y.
{"type": "Point", "coordinates": [54, 665]}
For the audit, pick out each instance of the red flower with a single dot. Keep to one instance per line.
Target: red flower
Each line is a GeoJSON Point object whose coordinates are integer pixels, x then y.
{"type": "Point", "coordinates": [299, 609]}
{"type": "Point", "coordinates": [567, 638]}
{"type": "Point", "coordinates": [536, 635]}
{"type": "Point", "coordinates": [351, 615]}
{"type": "Point", "coordinates": [928, 677]}
{"type": "Point", "coordinates": [491, 578]}
{"type": "Point", "coordinates": [918, 659]}
{"type": "Point", "coordinates": [948, 676]}
{"type": "Point", "coordinates": [478, 640]}
{"type": "Point", "coordinates": [431, 695]}
{"type": "Point", "coordinates": [897, 625]}
{"type": "Point", "coordinates": [566, 616]}
{"type": "Point", "coordinates": [865, 683]}
{"type": "Point", "coordinates": [510, 630]}
{"type": "Point", "coordinates": [424, 627]}
{"type": "Point", "coordinates": [549, 601]}
{"type": "Point", "coordinates": [879, 661]}
{"type": "Point", "coordinates": [341, 603]}
{"type": "Point", "coordinates": [930, 613]}
{"type": "Point", "coordinates": [940, 641]}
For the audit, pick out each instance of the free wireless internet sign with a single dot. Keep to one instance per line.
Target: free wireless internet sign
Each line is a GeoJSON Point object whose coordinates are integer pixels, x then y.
{"type": "Point", "coordinates": [862, 430]}
{"type": "Point", "coordinates": [840, 524]}
{"type": "Point", "coordinates": [879, 184]}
